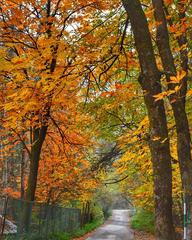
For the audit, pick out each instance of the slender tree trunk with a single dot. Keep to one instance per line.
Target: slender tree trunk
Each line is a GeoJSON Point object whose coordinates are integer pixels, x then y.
{"type": "Point", "coordinates": [39, 135]}
{"type": "Point", "coordinates": [178, 99]}
{"type": "Point", "coordinates": [22, 173]}
{"type": "Point", "coordinates": [159, 142]}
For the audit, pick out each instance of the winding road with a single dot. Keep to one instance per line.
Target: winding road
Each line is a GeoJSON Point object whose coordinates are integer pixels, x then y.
{"type": "Point", "coordinates": [116, 228]}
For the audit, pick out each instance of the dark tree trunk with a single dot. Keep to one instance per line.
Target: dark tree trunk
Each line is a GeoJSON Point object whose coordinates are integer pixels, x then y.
{"type": "Point", "coordinates": [159, 142]}
{"type": "Point", "coordinates": [178, 99]}
{"type": "Point", "coordinates": [39, 135]}
{"type": "Point", "coordinates": [22, 174]}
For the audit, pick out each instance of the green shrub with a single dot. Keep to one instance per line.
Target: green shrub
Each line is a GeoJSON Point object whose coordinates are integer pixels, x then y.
{"type": "Point", "coordinates": [143, 220]}
{"type": "Point", "coordinates": [97, 212]}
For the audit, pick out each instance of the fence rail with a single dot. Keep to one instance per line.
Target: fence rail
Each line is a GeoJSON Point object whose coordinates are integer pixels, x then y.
{"type": "Point", "coordinates": [20, 219]}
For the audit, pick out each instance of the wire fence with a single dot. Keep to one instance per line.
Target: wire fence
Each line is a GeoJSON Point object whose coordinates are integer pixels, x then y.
{"type": "Point", "coordinates": [22, 220]}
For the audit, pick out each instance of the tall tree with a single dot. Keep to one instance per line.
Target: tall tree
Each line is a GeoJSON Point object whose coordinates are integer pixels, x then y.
{"type": "Point", "coordinates": [159, 141]}
{"type": "Point", "coordinates": [42, 68]}
{"type": "Point", "coordinates": [178, 98]}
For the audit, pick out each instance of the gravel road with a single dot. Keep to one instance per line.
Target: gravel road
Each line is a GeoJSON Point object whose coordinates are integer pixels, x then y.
{"type": "Point", "coordinates": [116, 228]}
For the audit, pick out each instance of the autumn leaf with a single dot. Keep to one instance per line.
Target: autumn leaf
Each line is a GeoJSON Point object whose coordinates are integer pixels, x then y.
{"type": "Point", "coordinates": [178, 78]}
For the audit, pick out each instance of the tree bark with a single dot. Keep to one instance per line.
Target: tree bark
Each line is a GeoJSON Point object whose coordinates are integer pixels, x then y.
{"type": "Point", "coordinates": [22, 173]}
{"type": "Point", "coordinates": [39, 135]}
{"type": "Point", "coordinates": [177, 99]}
{"type": "Point", "coordinates": [159, 141]}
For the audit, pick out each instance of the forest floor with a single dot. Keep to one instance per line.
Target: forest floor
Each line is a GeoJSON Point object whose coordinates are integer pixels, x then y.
{"type": "Point", "coordinates": [140, 235]}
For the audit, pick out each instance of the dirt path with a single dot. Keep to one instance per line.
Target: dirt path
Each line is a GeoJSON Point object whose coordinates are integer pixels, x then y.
{"type": "Point", "coordinates": [116, 228]}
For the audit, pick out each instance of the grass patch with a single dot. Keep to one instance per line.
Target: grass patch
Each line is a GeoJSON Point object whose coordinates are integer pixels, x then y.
{"type": "Point", "coordinates": [61, 236]}
{"type": "Point", "coordinates": [143, 220]}
{"type": "Point", "coordinates": [88, 228]}
{"type": "Point", "coordinates": [79, 233]}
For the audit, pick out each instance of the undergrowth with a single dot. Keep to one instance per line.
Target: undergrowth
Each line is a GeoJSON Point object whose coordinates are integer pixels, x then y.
{"type": "Point", "coordinates": [78, 233]}
{"type": "Point", "coordinates": [143, 220]}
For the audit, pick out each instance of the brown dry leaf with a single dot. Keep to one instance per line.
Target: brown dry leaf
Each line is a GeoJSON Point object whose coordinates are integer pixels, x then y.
{"type": "Point", "coordinates": [139, 235]}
